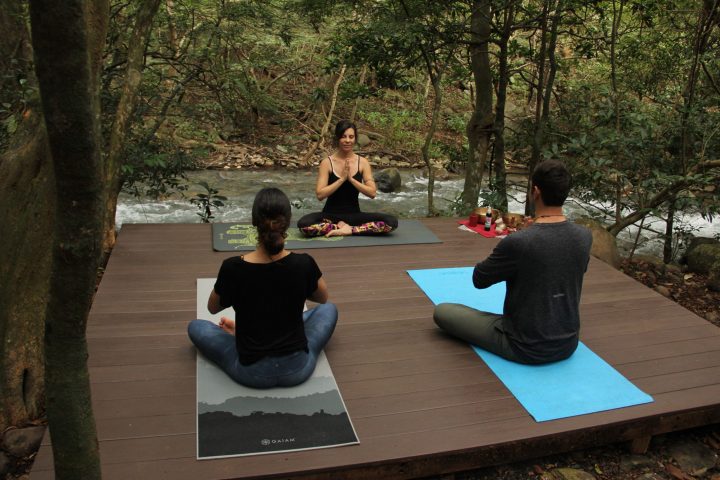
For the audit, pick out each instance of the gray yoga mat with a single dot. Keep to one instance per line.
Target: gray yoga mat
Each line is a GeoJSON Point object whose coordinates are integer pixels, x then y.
{"type": "Point", "coordinates": [233, 420]}
{"type": "Point", "coordinates": [231, 237]}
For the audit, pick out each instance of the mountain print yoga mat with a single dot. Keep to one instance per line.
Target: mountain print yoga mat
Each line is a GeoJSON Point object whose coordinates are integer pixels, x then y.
{"type": "Point", "coordinates": [233, 420]}
{"type": "Point", "coordinates": [581, 384]}
{"type": "Point", "coordinates": [231, 237]}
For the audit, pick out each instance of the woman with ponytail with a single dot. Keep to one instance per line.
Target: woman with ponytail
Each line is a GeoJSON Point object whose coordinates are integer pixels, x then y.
{"type": "Point", "coordinates": [272, 342]}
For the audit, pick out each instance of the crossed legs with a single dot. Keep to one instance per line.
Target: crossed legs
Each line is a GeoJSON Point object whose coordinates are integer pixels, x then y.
{"type": "Point", "coordinates": [479, 328]}
{"type": "Point", "coordinates": [218, 345]}
{"type": "Point", "coordinates": [360, 223]}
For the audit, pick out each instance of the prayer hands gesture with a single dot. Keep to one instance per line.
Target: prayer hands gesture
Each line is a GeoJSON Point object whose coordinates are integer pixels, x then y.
{"type": "Point", "coordinates": [344, 168]}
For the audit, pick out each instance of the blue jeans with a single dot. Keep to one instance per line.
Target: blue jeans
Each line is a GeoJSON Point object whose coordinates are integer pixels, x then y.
{"type": "Point", "coordinates": [268, 372]}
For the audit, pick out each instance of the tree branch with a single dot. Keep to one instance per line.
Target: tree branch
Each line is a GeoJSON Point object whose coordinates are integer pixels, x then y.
{"type": "Point", "coordinates": [710, 77]}
{"type": "Point", "coordinates": [661, 197]}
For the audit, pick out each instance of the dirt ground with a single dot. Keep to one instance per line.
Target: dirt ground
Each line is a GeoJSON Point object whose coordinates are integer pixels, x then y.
{"type": "Point", "coordinates": [664, 460]}
{"type": "Point", "coordinates": [687, 289]}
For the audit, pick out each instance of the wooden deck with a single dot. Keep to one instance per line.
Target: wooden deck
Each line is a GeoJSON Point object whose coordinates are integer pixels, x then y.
{"type": "Point", "coordinates": [422, 403]}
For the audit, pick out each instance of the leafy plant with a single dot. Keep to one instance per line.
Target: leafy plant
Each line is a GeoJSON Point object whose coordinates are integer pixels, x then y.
{"type": "Point", "coordinates": [403, 128]}
{"type": "Point", "coordinates": [682, 234]}
{"type": "Point", "coordinates": [456, 153]}
{"type": "Point", "coordinates": [457, 122]}
{"type": "Point", "coordinates": [491, 197]}
{"type": "Point", "coordinates": [207, 202]}
{"type": "Point", "coordinates": [457, 207]}
{"type": "Point", "coordinates": [155, 170]}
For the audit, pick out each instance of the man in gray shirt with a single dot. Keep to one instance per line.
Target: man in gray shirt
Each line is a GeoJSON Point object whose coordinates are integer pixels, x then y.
{"type": "Point", "coordinates": [543, 266]}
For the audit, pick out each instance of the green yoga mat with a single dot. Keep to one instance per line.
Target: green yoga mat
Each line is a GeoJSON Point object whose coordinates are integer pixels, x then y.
{"type": "Point", "coordinates": [232, 237]}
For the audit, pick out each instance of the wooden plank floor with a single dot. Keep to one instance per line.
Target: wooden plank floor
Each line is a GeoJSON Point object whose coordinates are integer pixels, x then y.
{"type": "Point", "coordinates": [422, 403]}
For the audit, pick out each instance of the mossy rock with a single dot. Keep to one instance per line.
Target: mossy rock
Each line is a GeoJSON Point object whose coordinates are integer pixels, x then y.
{"type": "Point", "coordinates": [388, 180]}
{"type": "Point", "coordinates": [363, 140]}
{"type": "Point", "coordinates": [702, 258]}
{"type": "Point", "coordinates": [604, 245]}
{"type": "Point", "coordinates": [696, 242]}
{"type": "Point", "coordinates": [714, 277]}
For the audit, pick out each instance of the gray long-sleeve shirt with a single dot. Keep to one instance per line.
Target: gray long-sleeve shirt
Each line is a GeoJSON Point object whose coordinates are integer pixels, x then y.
{"type": "Point", "coordinates": [543, 266]}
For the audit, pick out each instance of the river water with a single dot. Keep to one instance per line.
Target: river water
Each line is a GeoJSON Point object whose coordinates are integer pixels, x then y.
{"type": "Point", "coordinates": [240, 187]}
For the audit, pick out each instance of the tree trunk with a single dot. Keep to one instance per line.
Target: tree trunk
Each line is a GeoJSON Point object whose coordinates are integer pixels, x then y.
{"type": "Point", "coordinates": [172, 31]}
{"type": "Point", "coordinates": [328, 119]}
{"type": "Point", "coordinates": [26, 190]}
{"type": "Point", "coordinates": [480, 126]}
{"type": "Point", "coordinates": [437, 102]}
{"type": "Point", "coordinates": [707, 20]}
{"type": "Point", "coordinates": [669, 224]}
{"type": "Point", "coordinates": [434, 69]}
{"type": "Point", "coordinates": [617, 18]}
{"type": "Point", "coordinates": [500, 181]}
{"type": "Point", "coordinates": [123, 114]}
{"type": "Point", "coordinates": [66, 38]}
{"type": "Point", "coordinates": [538, 134]}
{"type": "Point", "coordinates": [363, 72]}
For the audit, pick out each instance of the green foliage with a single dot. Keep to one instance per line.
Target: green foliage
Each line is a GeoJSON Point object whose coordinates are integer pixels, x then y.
{"type": "Point", "coordinates": [457, 207]}
{"type": "Point", "coordinates": [352, 89]}
{"type": "Point", "coordinates": [457, 122]}
{"type": "Point", "coordinates": [10, 124]}
{"type": "Point", "coordinates": [491, 197]}
{"type": "Point", "coordinates": [17, 95]}
{"type": "Point", "coordinates": [403, 127]}
{"type": "Point", "coordinates": [238, 70]}
{"type": "Point", "coordinates": [207, 202]}
{"type": "Point", "coordinates": [155, 171]}
{"type": "Point", "coordinates": [456, 153]}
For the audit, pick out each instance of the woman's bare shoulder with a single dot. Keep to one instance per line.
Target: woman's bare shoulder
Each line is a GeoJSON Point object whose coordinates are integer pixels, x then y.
{"type": "Point", "coordinates": [364, 163]}
{"type": "Point", "coordinates": [325, 164]}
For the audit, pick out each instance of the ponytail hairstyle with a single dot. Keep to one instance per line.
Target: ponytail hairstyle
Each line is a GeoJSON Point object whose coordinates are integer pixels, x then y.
{"type": "Point", "coordinates": [271, 216]}
{"type": "Point", "coordinates": [340, 129]}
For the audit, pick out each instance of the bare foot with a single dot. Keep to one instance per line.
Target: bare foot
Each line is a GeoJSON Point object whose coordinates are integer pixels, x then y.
{"type": "Point", "coordinates": [343, 230]}
{"type": "Point", "coordinates": [227, 324]}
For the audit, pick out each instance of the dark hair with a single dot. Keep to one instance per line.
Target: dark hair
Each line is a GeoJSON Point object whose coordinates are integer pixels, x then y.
{"type": "Point", "coordinates": [271, 216]}
{"type": "Point", "coordinates": [554, 182]}
{"type": "Point", "coordinates": [340, 128]}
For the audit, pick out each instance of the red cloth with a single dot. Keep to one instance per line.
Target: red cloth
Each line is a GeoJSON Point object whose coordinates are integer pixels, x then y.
{"type": "Point", "coordinates": [480, 228]}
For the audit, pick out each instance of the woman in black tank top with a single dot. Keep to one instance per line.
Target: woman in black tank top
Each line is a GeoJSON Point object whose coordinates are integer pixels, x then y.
{"type": "Point", "coordinates": [341, 179]}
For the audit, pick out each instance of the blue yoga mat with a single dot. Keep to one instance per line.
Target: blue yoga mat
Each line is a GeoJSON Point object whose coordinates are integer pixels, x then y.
{"type": "Point", "coordinates": [584, 383]}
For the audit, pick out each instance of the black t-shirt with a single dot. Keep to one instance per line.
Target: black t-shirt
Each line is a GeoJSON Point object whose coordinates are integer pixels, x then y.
{"type": "Point", "coordinates": [268, 299]}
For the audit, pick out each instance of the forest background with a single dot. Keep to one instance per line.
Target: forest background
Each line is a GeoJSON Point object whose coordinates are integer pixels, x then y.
{"type": "Point", "coordinates": [96, 97]}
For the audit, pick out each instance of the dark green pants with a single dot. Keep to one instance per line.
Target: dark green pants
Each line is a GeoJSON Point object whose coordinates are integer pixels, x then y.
{"type": "Point", "coordinates": [483, 329]}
